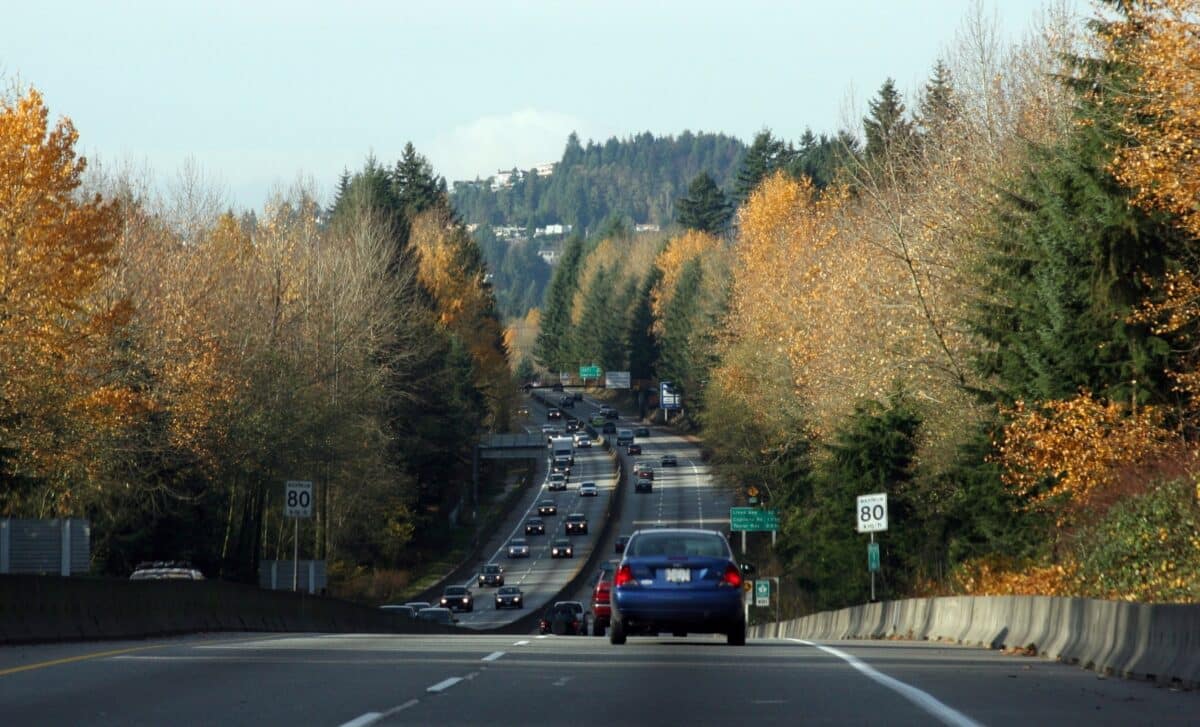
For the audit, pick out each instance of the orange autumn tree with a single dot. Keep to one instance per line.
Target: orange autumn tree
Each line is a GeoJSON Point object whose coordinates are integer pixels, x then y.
{"type": "Point", "coordinates": [1159, 40]}
{"type": "Point", "coordinates": [56, 386]}
{"type": "Point", "coordinates": [1062, 455]}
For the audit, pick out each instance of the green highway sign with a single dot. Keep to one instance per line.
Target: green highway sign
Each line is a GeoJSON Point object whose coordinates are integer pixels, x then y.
{"type": "Point", "coordinates": [762, 593]}
{"type": "Point", "coordinates": [752, 519]}
{"type": "Point", "coordinates": [589, 372]}
{"type": "Point", "coordinates": [873, 557]}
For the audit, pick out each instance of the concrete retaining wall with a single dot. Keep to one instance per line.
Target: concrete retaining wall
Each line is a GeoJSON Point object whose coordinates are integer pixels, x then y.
{"type": "Point", "coordinates": [1157, 642]}
{"type": "Point", "coordinates": [49, 608]}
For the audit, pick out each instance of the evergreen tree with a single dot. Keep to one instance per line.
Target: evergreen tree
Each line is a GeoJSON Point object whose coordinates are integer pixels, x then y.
{"type": "Point", "coordinates": [821, 158]}
{"type": "Point", "coordinates": [705, 207]}
{"type": "Point", "coordinates": [938, 105]}
{"type": "Point", "coordinates": [677, 361]}
{"type": "Point", "coordinates": [1065, 264]}
{"type": "Point", "coordinates": [552, 349]}
{"type": "Point", "coordinates": [874, 451]}
{"type": "Point", "coordinates": [886, 128]}
{"type": "Point", "coordinates": [640, 339]}
{"type": "Point", "coordinates": [415, 186]}
{"type": "Point", "coordinates": [766, 155]}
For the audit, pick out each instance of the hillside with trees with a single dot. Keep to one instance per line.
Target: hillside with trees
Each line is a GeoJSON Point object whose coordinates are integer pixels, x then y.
{"type": "Point", "coordinates": [987, 309]}
{"type": "Point", "coordinates": [637, 178]}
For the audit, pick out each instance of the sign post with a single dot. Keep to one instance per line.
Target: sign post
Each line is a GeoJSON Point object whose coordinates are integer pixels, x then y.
{"type": "Point", "coordinates": [871, 516]}
{"type": "Point", "coordinates": [297, 504]}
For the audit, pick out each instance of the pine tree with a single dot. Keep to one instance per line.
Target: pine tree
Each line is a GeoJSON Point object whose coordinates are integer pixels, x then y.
{"type": "Point", "coordinates": [886, 128]}
{"type": "Point", "coordinates": [415, 187]}
{"type": "Point", "coordinates": [705, 207]}
{"type": "Point", "coordinates": [677, 360]}
{"type": "Point", "coordinates": [552, 347]}
{"type": "Point", "coordinates": [640, 340]}
{"type": "Point", "coordinates": [766, 155]}
{"type": "Point", "coordinates": [874, 451]}
{"type": "Point", "coordinates": [938, 105]}
{"type": "Point", "coordinates": [1066, 262]}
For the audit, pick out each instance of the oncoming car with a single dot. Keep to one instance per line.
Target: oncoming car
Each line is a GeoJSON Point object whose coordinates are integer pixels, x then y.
{"type": "Point", "coordinates": [562, 548]}
{"type": "Point", "coordinates": [547, 507]}
{"type": "Point", "coordinates": [509, 597]}
{"type": "Point", "coordinates": [491, 575]}
{"type": "Point", "coordinates": [518, 548]}
{"type": "Point", "coordinates": [668, 460]}
{"type": "Point", "coordinates": [678, 581]}
{"type": "Point", "coordinates": [577, 524]}
{"type": "Point", "coordinates": [588, 489]}
{"type": "Point", "coordinates": [535, 525]}
{"type": "Point", "coordinates": [458, 598]}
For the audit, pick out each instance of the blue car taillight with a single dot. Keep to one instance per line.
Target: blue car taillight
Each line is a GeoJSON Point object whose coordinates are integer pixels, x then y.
{"type": "Point", "coordinates": [732, 577]}
{"type": "Point", "coordinates": [624, 576]}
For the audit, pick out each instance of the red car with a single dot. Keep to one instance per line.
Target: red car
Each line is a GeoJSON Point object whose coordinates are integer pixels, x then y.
{"type": "Point", "coordinates": [601, 594]}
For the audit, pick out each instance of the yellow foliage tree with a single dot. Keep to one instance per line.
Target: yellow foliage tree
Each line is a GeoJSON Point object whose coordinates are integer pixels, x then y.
{"type": "Point", "coordinates": [450, 268]}
{"type": "Point", "coordinates": [1160, 39]}
{"type": "Point", "coordinates": [1062, 454]}
{"type": "Point", "coordinates": [56, 387]}
{"type": "Point", "coordinates": [678, 252]}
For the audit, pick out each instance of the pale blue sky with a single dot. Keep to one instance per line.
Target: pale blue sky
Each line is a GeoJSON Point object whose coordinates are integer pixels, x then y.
{"type": "Point", "coordinates": [260, 92]}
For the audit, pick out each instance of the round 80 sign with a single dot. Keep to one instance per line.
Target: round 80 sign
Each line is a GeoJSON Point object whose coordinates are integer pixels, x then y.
{"type": "Point", "coordinates": [870, 513]}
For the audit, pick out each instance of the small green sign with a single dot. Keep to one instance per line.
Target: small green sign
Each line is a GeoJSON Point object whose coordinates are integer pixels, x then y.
{"type": "Point", "coordinates": [589, 372]}
{"type": "Point", "coordinates": [752, 519]}
{"type": "Point", "coordinates": [762, 593]}
{"type": "Point", "coordinates": [873, 557]}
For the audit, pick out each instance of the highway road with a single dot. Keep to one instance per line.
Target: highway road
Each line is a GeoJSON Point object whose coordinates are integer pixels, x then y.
{"type": "Point", "coordinates": [683, 496]}
{"type": "Point", "coordinates": [509, 680]}
{"type": "Point", "coordinates": [541, 577]}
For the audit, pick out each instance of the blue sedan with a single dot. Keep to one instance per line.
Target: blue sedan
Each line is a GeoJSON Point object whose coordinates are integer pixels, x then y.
{"type": "Point", "coordinates": [679, 581]}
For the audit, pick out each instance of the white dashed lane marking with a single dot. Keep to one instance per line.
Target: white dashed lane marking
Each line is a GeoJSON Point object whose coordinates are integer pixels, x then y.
{"type": "Point", "coordinates": [443, 685]}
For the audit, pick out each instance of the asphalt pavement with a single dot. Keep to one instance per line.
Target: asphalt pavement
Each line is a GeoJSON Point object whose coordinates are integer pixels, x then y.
{"type": "Point", "coordinates": [519, 680]}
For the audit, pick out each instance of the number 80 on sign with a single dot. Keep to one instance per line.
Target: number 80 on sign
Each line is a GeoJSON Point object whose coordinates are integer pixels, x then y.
{"type": "Point", "coordinates": [870, 513]}
{"type": "Point", "coordinates": [298, 498]}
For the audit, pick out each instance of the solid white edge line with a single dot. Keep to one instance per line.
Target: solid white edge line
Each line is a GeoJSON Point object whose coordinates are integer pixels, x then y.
{"type": "Point", "coordinates": [443, 685]}
{"type": "Point", "coordinates": [363, 720]}
{"type": "Point", "coordinates": [493, 656]}
{"type": "Point", "coordinates": [924, 700]}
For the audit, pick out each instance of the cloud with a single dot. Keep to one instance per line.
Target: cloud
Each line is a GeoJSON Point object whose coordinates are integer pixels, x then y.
{"type": "Point", "coordinates": [521, 138]}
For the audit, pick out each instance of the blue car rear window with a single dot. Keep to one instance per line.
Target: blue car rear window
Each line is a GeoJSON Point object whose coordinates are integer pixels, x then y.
{"type": "Point", "coordinates": [677, 544]}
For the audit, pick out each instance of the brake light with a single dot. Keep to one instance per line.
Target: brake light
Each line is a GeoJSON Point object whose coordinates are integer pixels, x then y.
{"type": "Point", "coordinates": [732, 577]}
{"type": "Point", "coordinates": [624, 576]}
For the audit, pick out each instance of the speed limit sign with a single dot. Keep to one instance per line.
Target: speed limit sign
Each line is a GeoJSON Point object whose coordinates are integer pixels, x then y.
{"type": "Point", "coordinates": [870, 513]}
{"type": "Point", "coordinates": [298, 499]}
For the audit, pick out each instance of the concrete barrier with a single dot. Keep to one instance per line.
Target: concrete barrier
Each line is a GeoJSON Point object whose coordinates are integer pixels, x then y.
{"type": "Point", "coordinates": [1156, 642]}
{"type": "Point", "coordinates": [51, 608]}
